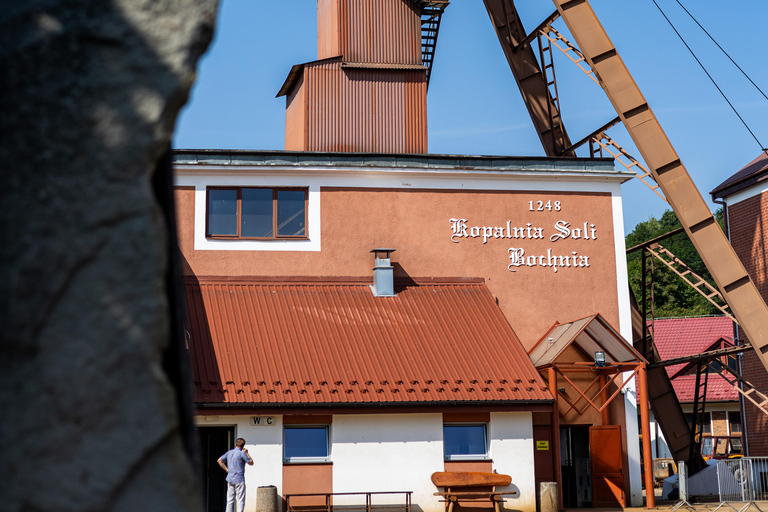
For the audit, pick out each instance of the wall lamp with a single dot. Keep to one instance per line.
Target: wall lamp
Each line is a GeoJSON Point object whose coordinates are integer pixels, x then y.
{"type": "Point", "coordinates": [599, 359]}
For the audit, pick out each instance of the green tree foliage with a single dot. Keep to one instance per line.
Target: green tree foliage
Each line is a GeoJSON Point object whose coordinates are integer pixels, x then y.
{"type": "Point", "coordinates": [673, 297]}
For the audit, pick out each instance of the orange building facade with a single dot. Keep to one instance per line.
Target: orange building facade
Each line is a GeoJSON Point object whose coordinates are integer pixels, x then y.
{"type": "Point", "coordinates": [489, 252]}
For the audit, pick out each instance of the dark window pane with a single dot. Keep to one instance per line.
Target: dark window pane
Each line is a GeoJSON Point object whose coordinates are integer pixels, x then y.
{"type": "Point", "coordinates": [290, 213]}
{"type": "Point", "coordinates": [464, 440]}
{"type": "Point", "coordinates": [257, 212]}
{"type": "Point", "coordinates": [222, 212]}
{"type": "Point", "coordinates": [705, 422]}
{"type": "Point", "coordinates": [306, 442]}
{"type": "Point", "coordinates": [734, 422]}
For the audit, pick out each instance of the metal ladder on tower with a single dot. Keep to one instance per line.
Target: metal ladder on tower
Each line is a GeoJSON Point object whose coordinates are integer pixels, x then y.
{"type": "Point", "coordinates": [431, 13]}
{"type": "Point", "coordinates": [542, 107]}
{"type": "Point", "coordinates": [548, 71]}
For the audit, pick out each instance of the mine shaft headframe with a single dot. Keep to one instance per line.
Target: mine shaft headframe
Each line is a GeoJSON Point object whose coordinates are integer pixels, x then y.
{"type": "Point", "coordinates": [661, 158]}
{"type": "Point", "coordinates": [669, 172]}
{"type": "Point", "coordinates": [539, 92]}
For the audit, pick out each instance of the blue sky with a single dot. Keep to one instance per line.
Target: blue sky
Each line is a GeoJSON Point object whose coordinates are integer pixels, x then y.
{"type": "Point", "coordinates": [474, 106]}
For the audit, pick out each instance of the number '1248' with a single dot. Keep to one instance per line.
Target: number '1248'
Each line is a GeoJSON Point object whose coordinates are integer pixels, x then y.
{"type": "Point", "coordinates": [540, 206]}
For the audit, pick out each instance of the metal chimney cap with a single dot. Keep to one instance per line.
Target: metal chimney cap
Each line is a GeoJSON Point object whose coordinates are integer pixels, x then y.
{"type": "Point", "coordinates": [383, 249]}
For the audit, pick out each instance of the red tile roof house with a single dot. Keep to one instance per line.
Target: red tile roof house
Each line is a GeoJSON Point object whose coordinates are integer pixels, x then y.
{"type": "Point", "coordinates": [679, 337]}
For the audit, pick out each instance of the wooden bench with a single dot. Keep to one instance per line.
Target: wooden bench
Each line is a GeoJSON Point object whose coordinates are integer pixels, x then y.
{"type": "Point", "coordinates": [471, 487]}
{"type": "Point", "coordinates": [368, 506]}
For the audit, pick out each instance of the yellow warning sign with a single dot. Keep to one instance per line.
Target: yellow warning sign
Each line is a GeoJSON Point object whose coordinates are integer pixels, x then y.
{"type": "Point", "coordinates": [542, 445]}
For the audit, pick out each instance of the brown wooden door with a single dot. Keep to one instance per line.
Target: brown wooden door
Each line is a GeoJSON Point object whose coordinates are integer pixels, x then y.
{"type": "Point", "coordinates": [607, 470]}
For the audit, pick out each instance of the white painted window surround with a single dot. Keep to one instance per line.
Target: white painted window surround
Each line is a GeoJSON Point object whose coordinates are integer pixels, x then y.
{"type": "Point", "coordinates": [202, 243]}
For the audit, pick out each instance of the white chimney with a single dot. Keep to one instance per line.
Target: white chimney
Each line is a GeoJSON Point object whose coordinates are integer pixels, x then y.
{"type": "Point", "coordinates": [383, 274]}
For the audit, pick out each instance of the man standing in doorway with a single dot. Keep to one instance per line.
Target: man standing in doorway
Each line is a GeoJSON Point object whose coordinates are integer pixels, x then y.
{"type": "Point", "coordinates": [233, 462]}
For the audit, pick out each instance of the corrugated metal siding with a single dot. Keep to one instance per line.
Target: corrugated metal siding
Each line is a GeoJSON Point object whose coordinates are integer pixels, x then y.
{"type": "Point", "coordinates": [269, 343]}
{"type": "Point", "coordinates": [296, 117]}
{"type": "Point", "coordinates": [365, 109]}
{"type": "Point", "coordinates": [381, 31]}
{"type": "Point", "coordinates": [328, 29]}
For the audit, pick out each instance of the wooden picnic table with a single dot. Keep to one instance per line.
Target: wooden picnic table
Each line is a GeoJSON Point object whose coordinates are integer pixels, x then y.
{"type": "Point", "coordinates": [471, 486]}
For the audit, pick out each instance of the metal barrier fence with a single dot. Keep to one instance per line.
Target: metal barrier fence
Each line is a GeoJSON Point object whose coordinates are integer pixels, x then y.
{"type": "Point", "coordinates": [682, 482]}
{"type": "Point", "coordinates": [743, 480]}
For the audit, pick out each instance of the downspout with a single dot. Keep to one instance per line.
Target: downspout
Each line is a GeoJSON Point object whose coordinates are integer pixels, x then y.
{"type": "Point", "coordinates": [742, 409]}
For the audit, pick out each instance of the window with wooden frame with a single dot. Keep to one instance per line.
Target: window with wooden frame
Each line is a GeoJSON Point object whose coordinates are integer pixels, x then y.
{"type": "Point", "coordinates": [706, 423]}
{"type": "Point", "coordinates": [256, 213]}
{"type": "Point", "coordinates": [734, 422]}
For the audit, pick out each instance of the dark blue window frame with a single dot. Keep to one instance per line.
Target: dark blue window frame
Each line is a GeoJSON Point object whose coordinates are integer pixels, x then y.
{"type": "Point", "coordinates": [465, 441]}
{"type": "Point", "coordinates": [306, 443]}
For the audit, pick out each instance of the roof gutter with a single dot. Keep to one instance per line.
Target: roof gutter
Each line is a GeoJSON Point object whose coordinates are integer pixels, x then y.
{"type": "Point", "coordinates": [381, 405]}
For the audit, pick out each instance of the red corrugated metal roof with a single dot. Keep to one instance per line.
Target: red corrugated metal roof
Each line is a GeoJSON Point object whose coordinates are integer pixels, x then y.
{"type": "Point", "coordinates": [718, 389]}
{"type": "Point", "coordinates": [327, 343]}
{"type": "Point", "coordinates": [679, 337]}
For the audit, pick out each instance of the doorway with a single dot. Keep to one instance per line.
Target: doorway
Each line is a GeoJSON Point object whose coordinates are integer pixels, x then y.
{"type": "Point", "coordinates": [607, 466]}
{"type": "Point", "coordinates": [214, 442]}
{"type": "Point", "coordinates": [575, 466]}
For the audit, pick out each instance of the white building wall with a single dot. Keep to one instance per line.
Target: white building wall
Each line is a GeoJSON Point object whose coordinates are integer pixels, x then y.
{"type": "Point", "coordinates": [625, 329]}
{"type": "Point", "coordinates": [511, 440]}
{"type": "Point", "coordinates": [659, 448]}
{"type": "Point", "coordinates": [387, 452]}
{"type": "Point", "coordinates": [264, 444]}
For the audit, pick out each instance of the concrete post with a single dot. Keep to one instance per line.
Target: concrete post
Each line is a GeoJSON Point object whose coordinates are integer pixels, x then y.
{"type": "Point", "coordinates": [548, 496]}
{"type": "Point", "coordinates": [266, 499]}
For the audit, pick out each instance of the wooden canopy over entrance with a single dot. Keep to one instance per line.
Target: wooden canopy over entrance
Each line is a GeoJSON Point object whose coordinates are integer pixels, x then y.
{"type": "Point", "coordinates": [569, 350]}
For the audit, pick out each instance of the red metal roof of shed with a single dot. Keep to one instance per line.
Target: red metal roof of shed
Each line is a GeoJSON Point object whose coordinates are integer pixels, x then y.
{"type": "Point", "coordinates": [271, 343]}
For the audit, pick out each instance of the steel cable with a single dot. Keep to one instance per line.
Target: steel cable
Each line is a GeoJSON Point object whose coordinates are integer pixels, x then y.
{"type": "Point", "coordinates": [722, 49]}
{"type": "Point", "coordinates": [762, 148]}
